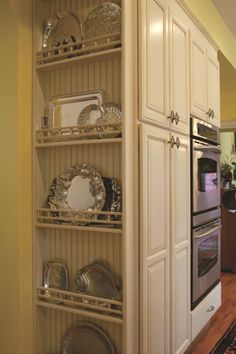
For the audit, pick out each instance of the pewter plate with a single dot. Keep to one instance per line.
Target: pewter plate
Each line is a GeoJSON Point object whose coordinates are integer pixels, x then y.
{"type": "Point", "coordinates": [113, 194]}
{"type": "Point", "coordinates": [64, 110]}
{"type": "Point", "coordinates": [103, 20]}
{"type": "Point", "coordinates": [96, 279]}
{"type": "Point", "coordinates": [86, 338]}
{"type": "Point", "coordinates": [55, 275]}
{"type": "Point", "coordinates": [79, 187]}
{"type": "Point", "coordinates": [63, 28]}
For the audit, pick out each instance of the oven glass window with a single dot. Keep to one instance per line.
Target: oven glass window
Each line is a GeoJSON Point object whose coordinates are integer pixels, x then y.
{"type": "Point", "coordinates": [207, 255]}
{"type": "Point", "coordinates": [207, 132]}
{"type": "Point", "coordinates": [207, 175]}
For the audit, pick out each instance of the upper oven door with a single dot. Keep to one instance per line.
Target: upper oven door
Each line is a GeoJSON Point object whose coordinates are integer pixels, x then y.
{"type": "Point", "coordinates": [205, 176]}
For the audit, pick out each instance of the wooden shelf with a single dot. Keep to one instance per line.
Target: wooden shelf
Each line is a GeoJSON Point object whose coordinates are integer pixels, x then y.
{"type": "Point", "coordinates": [76, 135]}
{"type": "Point", "coordinates": [80, 51]}
{"type": "Point", "coordinates": [99, 221]}
{"type": "Point", "coordinates": [81, 304]}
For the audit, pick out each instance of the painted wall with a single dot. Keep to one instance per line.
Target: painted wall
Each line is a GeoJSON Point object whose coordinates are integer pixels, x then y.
{"type": "Point", "coordinates": [15, 177]}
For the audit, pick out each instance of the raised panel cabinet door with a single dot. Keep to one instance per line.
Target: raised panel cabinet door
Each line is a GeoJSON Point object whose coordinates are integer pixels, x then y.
{"type": "Point", "coordinates": [153, 64]}
{"type": "Point", "coordinates": [213, 84]}
{"type": "Point", "coordinates": [179, 69]}
{"type": "Point", "coordinates": [198, 73]}
{"type": "Point", "coordinates": [154, 240]}
{"type": "Point", "coordinates": [180, 244]}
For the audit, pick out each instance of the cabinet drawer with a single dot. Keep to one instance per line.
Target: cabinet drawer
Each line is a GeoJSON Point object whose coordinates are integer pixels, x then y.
{"type": "Point", "coordinates": [205, 310]}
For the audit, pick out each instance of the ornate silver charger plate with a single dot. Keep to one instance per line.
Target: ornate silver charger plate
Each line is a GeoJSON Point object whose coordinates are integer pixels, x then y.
{"type": "Point", "coordinates": [86, 338]}
{"type": "Point", "coordinates": [63, 28]}
{"type": "Point", "coordinates": [55, 276]}
{"type": "Point", "coordinates": [78, 188]}
{"type": "Point", "coordinates": [97, 279]}
{"type": "Point", "coordinates": [103, 20]}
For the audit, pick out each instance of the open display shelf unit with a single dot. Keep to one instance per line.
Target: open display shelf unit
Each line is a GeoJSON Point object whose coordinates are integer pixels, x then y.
{"type": "Point", "coordinates": [110, 235]}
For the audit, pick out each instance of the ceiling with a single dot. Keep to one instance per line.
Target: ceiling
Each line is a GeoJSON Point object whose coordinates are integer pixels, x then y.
{"type": "Point", "coordinates": [227, 10]}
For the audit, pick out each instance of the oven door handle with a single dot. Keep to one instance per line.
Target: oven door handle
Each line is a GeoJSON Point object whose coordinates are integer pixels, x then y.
{"type": "Point", "coordinates": [214, 149]}
{"type": "Point", "coordinates": [213, 229]}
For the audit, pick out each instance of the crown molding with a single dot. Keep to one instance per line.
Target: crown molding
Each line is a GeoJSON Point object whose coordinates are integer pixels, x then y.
{"type": "Point", "coordinates": [196, 21]}
{"type": "Point", "coordinates": [227, 125]}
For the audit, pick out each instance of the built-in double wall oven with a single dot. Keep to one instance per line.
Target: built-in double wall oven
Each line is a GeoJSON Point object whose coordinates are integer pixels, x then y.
{"type": "Point", "coordinates": [205, 204]}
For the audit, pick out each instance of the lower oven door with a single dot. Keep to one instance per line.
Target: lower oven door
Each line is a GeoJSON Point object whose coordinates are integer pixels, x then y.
{"type": "Point", "coordinates": [205, 176]}
{"type": "Point", "coordinates": [206, 259]}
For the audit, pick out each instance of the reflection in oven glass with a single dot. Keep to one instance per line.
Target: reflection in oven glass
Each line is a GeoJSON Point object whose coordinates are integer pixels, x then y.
{"type": "Point", "coordinates": [207, 255]}
{"type": "Point", "coordinates": [207, 175]}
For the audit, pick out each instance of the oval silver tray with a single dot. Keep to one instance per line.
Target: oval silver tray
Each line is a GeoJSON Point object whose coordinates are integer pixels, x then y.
{"type": "Point", "coordinates": [55, 275]}
{"type": "Point", "coordinates": [63, 28]}
{"type": "Point", "coordinates": [86, 338]}
{"type": "Point", "coordinates": [96, 279]}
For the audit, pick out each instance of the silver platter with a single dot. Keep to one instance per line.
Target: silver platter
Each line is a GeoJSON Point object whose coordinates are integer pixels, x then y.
{"type": "Point", "coordinates": [63, 28]}
{"type": "Point", "coordinates": [55, 275]}
{"type": "Point", "coordinates": [94, 114]}
{"type": "Point", "coordinates": [103, 20]}
{"type": "Point", "coordinates": [97, 279]}
{"type": "Point", "coordinates": [86, 338]}
{"type": "Point", "coordinates": [113, 194]}
{"type": "Point", "coordinates": [80, 188]}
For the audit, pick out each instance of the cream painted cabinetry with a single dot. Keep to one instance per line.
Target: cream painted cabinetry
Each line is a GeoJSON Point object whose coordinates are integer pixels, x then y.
{"type": "Point", "coordinates": [205, 93]}
{"type": "Point", "coordinates": [164, 65]}
{"type": "Point", "coordinates": [165, 241]}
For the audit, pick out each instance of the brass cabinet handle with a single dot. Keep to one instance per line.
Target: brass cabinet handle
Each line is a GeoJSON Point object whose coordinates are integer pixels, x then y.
{"type": "Point", "coordinates": [176, 118]}
{"type": "Point", "coordinates": [171, 116]}
{"type": "Point", "coordinates": [177, 143]}
{"type": "Point", "coordinates": [172, 142]}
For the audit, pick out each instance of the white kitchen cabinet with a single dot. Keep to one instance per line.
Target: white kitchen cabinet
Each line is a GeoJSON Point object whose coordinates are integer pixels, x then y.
{"type": "Point", "coordinates": [165, 241]}
{"type": "Point", "coordinates": [164, 66]}
{"type": "Point", "coordinates": [178, 69]}
{"type": "Point", "coordinates": [205, 93]}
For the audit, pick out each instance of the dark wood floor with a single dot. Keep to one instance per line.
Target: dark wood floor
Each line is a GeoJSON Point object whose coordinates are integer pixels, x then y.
{"type": "Point", "coordinates": [220, 321]}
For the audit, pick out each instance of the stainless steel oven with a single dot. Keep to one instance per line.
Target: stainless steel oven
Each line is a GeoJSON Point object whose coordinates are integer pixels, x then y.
{"type": "Point", "coordinates": [205, 166]}
{"type": "Point", "coordinates": [205, 201]}
{"type": "Point", "coordinates": [206, 258]}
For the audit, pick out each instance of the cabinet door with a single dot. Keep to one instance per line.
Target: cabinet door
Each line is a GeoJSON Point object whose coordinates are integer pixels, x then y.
{"type": "Point", "coordinates": [179, 68]}
{"type": "Point", "coordinates": [154, 242]}
{"type": "Point", "coordinates": [153, 64]}
{"type": "Point", "coordinates": [180, 245]}
{"type": "Point", "coordinates": [198, 73]}
{"type": "Point", "coordinates": [213, 84]}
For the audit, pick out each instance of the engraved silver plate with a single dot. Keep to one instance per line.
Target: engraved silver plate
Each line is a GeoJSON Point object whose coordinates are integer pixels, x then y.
{"type": "Point", "coordinates": [96, 279]}
{"type": "Point", "coordinates": [103, 20]}
{"type": "Point", "coordinates": [64, 110]}
{"type": "Point", "coordinates": [80, 188]}
{"type": "Point", "coordinates": [55, 275]}
{"type": "Point", "coordinates": [86, 338]}
{"type": "Point", "coordinates": [106, 113]}
{"type": "Point", "coordinates": [63, 28]}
